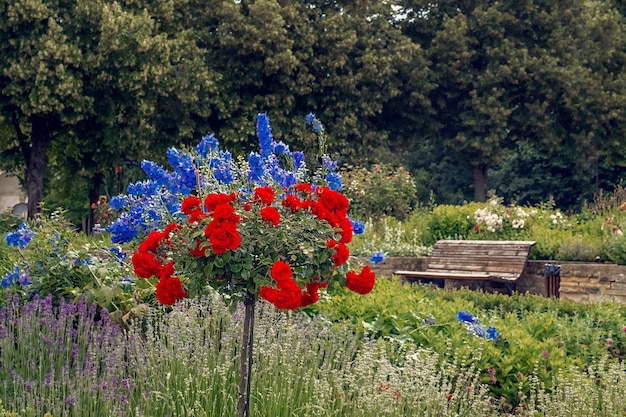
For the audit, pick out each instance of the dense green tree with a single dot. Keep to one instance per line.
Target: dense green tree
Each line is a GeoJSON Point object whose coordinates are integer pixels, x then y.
{"type": "Point", "coordinates": [547, 71]}
{"type": "Point", "coordinates": [343, 61]}
{"type": "Point", "coordinates": [104, 78]}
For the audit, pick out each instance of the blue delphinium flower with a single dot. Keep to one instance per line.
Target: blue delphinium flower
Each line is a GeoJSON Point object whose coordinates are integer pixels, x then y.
{"type": "Point", "coordinates": [207, 145]}
{"type": "Point", "coordinates": [298, 159]}
{"type": "Point", "coordinates": [492, 333]}
{"type": "Point", "coordinates": [16, 276]}
{"type": "Point", "coordinates": [358, 227]}
{"type": "Point", "coordinates": [328, 163]}
{"type": "Point", "coordinates": [118, 252]}
{"type": "Point", "coordinates": [334, 181]}
{"type": "Point", "coordinates": [183, 164]}
{"type": "Point", "coordinates": [429, 320]}
{"type": "Point", "coordinates": [21, 237]}
{"type": "Point", "coordinates": [157, 174]}
{"type": "Point", "coordinates": [466, 317]}
{"type": "Point", "coordinates": [264, 133]}
{"type": "Point", "coordinates": [476, 329]}
{"type": "Point", "coordinates": [312, 120]}
{"type": "Point", "coordinates": [377, 257]}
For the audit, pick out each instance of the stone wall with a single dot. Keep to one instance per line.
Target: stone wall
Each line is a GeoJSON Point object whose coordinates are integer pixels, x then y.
{"type": "Point", "coordinates": [582, 282]}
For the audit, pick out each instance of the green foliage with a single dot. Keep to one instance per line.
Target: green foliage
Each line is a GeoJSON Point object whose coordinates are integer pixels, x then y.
{"type": "Point", "coordinates": [539, 337]}
{"type": "Point", "coordinates": [381, 190]}
{"type": "Point", "coordinates": [63, 263]}
{"type": "Point", "coordinates": [451, 222]}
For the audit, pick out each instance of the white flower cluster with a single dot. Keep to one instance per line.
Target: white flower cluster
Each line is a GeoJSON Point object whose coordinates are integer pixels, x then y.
{"type": "Point", "coordinates": [491, 220]}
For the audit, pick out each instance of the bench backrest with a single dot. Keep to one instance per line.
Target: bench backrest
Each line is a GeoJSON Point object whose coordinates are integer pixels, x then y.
{"type": "Point", "coordinates": [503, 259]}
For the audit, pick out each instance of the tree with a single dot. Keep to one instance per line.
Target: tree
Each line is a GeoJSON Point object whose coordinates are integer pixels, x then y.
{"type": "Point", "coordinates": [548, 71]}
{"type": "Point", "coordinates": [100, 75]}
{"type": "Point", "coordinates": [344, 61]}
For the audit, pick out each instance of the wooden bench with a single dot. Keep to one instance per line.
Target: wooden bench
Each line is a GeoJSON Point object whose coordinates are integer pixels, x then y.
{"type": "Point", "coordinates": [477, 260]}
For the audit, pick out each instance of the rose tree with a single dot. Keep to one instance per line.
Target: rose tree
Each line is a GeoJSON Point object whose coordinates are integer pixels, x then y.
{"type": "Point", "coordinates": [260, 227]}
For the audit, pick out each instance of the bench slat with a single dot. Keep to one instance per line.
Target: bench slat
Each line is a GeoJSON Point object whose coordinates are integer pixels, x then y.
{"type": "Point", "coordinates": [475, 260]}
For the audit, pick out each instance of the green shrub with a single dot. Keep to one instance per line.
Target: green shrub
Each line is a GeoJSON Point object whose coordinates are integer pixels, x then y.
{"type": "Point", "coordinates": [578, 249]}
{"type": "Point", "coordinates": [614, 249]}
{"type": "Point", "coordinates": [379, 191]}
{"type": "Point", "coordinates": [452, 222]}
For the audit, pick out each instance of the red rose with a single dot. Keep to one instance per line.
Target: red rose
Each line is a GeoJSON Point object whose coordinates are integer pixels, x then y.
{"type": "Point", "coordinates": [281, 271]}
{"type": "Point", "coordinates": [167, 271]}
{"type": "Point", "coordinates": [305, 188]}
{"type": "Point", "coordinates": [225, 213]}
{"type": "Point", "coordinates": [346, 230]}
{"type": "Point", "coordinates": [223, 236]}
{"type": "Point", "coordinates": [311, 295]}
{"type": "Point", "coordinates": [190, 204]}
{"type": "Point", "coordinates": [341, 254]}
{"type": "Point", "coordinates": [361, 283]}
{"type": "Point", "coordinates": [169, 290]}
{"type": "Point", "coordinates": [334, 201]}
{"type": "Point", "coordinates": [282, 299]}
{"type": "Point", "coordinates": [271, 215]}
{"type": "Point", "coordinates": [323, 213]}
{"type": "Point", "coordinates": [213, 200]}
{"type": "Point", "coordinates": [146, 265]}
{"type": "Point", "coordinates": [292, 202]}
{"type": "Point", "coordinates": [200, 249]}
{"type": "Point", "coordinates": [265, 194]}
{"type": "Point", "coordinates": [169, 229]}
{"type": "Point", "coordinates": [152, 242]}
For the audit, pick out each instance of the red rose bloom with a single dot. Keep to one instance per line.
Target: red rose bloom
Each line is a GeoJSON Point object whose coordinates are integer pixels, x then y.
{"type": "Point", "coordinates": [334, 201]}
{"type": "Point", "coordinates": [200, 249]}
{"type": "Point", "coordinates": [271, 215]}
{"type": "Point", "coordinates": [225, 213]}
{"type": "Point", "coordinates": [361, 283]}
{"type": "Point", "coordinates": [305, 188]}
{"type": "Point", "coordinates": [190, 204]}
{"type": "Point", "coordinates": [146, 265]}
{"type": "Point", "coordinates": [152, 242]}
{"type": "Point", "coordinates": [346, 230]}
{"type": "Point", "coordinates": [169, 290]}
{"type": "Point", "coordinates": [213, 200]}
{"type": "Point", "coordinates": [265, 194]}
{"type": "Point", "coordinates": [341, 254]}
{"type": "Point", "coordinates": [223, 236]}
{"type": "Point", "coordinates": [292, 202]}
{"type": "Point", "coordinates": [311, 295]}
{"type": "Point", "coordinates": [281, 271]}
{"type": "Point", "coordinates": [282, 299]}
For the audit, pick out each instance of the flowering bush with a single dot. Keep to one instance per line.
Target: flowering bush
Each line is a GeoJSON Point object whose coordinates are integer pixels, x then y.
{"type": "Point", "coordinates": [259, 226]}
{"type": "Point", "coordinates": [49, 258]}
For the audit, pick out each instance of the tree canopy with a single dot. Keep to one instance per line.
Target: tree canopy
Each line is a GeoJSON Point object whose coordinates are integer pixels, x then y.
{"type": "Point", "coordinates": [442, 85]}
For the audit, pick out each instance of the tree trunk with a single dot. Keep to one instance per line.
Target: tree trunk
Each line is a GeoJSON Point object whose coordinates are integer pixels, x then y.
{"type": "Point", "coordinates": [247, 340]}
{"type": "Point", "coordinates": [479, 175]}
{"type": "Point", "coordinates": [37, 162]}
